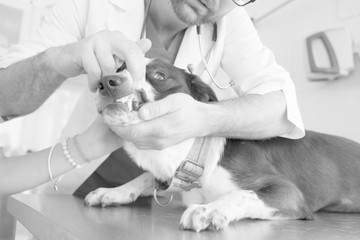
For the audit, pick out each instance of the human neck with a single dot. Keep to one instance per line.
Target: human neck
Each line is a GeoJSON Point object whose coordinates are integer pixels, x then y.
{"type": "Point", "coordinates": [165, 21]}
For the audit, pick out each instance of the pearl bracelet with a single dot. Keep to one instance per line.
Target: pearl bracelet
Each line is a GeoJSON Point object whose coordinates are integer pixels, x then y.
{"type": "Point", "coordinates": [68, 156]}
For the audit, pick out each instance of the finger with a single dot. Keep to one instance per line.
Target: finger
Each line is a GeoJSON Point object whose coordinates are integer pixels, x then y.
{"type": "Point", "coordinates": [156, 109]}
{"type": "Point", "coordinates": [139, 77]}
{"type": "Point", "coordinates": [142, 135]}
{"type": "Point", "coordinates": [121, 131]}
{"type": "Point", "coordinates": [133, 54]}
{"type": "Point", "coordinates": [131, 133]}
{"type": "Point", "coordinates": [135, 60]}
{"type": "Point", "coordinates": [93, 70]}
{"type": "Point", "coordinates": [105, 59]}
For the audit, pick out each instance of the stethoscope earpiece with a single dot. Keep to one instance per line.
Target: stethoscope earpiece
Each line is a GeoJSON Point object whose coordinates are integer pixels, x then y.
{"type": "Point", "coordinates": [190, 68]}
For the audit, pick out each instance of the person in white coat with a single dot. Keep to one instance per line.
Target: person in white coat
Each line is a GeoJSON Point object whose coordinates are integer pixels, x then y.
{"type": "Point", "coordinates": [257, 95]}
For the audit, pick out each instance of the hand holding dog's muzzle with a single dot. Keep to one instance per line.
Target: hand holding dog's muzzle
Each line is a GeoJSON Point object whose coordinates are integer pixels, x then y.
{"type": "Point", "coordinates": [98, 55]}
{"type": "Point", "coordinates": [164, 123]}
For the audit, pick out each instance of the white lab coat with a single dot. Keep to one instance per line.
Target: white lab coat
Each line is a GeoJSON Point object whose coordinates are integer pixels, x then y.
{"type": "Point", "coordinates": [238, 52]}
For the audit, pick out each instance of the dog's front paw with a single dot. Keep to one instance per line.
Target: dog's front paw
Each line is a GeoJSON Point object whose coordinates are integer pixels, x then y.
{"type": "Point", "coordinates": [106, 197]}
{"type": "Point", "coordinates": [201, 217]}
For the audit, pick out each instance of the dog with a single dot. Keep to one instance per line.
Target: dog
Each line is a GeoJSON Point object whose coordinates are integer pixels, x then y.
{"type": "Point", "coordinates": [270, 179]}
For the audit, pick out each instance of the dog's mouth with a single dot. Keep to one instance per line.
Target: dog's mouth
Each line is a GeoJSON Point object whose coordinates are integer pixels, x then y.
{"type": "Point", "coordinates": [122, 111]}
{"type": "Point", "coordinates": [126, 104]}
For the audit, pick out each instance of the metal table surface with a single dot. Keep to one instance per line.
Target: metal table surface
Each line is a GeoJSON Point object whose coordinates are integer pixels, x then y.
{"type": "Point", "coordinates": [65, 217]}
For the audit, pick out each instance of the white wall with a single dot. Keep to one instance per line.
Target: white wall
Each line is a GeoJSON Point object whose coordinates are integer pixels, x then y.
{"type": "Point", "coordinates": [331, 107]}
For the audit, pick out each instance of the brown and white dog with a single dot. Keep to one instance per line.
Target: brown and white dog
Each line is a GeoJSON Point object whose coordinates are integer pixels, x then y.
{"type": "Point", "coordinates": [276, 178]}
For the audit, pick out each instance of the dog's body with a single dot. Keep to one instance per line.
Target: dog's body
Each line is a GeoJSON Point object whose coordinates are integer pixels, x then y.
{"type": "Point", "coordinates": [275, 178]}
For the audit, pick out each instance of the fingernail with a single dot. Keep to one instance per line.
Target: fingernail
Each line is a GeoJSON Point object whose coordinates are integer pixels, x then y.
{"type": "Point", "coordinates": [145, 113]}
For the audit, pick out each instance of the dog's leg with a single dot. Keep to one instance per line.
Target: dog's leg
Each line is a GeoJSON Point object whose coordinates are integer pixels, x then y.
{"type": "Point", "coordinates": [285, 197]}
{"type": "Point", "coordinates": [230, 207]}
{"type": "Point", "coordinates": [241, 204]}
{"type": "Point", "coordinates": [124, 194]}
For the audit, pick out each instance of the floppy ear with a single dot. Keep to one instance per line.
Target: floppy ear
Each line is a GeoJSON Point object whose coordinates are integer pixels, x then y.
{"type": "Point", "coordinates": [199, 90]}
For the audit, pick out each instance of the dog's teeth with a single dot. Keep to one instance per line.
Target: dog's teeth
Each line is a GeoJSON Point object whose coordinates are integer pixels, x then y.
{"type": "Point", "coordinates": [129, 103]}
{"type": "Point", "coordinates": [122, 100]}
{"type": "Point", "coordinates": [119, 100]}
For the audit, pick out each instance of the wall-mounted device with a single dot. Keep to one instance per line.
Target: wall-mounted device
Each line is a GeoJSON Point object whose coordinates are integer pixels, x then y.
{"type": "Point", "coordinates": [330, 54]}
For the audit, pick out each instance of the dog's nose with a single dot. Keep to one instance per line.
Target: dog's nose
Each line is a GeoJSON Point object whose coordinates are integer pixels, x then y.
{"type": "Point", "coordinates": [115, 86]}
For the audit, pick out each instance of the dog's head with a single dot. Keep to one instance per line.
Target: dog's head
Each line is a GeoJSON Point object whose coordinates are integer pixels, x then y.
{"type": "Point", "coordinates": [119, 98]}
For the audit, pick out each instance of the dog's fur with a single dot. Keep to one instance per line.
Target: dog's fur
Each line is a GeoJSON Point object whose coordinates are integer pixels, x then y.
{"type": "Point", "coordinates": [276, 178]}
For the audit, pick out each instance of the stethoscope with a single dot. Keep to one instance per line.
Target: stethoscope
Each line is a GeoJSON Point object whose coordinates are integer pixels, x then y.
{"type": "Point", "coordinates": [205, 62]}
{"type": "Point", "coordinates": [198, 32]}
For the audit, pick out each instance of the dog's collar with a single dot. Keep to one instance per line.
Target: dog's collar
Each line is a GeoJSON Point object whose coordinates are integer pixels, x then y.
{"type": "Point", "coordinates": [190, 170]}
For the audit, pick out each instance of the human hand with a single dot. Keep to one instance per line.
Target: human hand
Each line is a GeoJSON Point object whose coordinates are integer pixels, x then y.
{"type": "Point", "coordinates": [98, 140]}
{"type": "Point", "coordinates": [167, 122]}
{"type": "Point", "coordinates": [97, 56]}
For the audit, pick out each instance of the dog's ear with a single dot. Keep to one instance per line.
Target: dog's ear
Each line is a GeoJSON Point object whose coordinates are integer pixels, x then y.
{"type": "Point", "coordinates": [199, 90]}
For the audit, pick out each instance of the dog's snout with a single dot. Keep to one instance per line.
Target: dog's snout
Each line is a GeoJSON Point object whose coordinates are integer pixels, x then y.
{"type": "Point", "coordinates": [101, 86]}
{"type": "Point", "coordinates": [115, 86]}
{"type": "Point", "coordinates": [110, 82]}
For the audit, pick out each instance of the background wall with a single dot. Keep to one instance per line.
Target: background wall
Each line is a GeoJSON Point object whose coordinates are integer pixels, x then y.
{"type": "Point", "coordinates": [331, 107]}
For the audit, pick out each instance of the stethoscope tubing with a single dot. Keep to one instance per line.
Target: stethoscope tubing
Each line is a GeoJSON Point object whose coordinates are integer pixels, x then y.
{"type": "Point", "coordinates": [198, 31]}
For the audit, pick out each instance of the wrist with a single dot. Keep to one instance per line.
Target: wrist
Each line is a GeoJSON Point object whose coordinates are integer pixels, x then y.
{"type": "Point", "coordinates": [93, 148]}
{"type": "Point", "coordinates": [76, 151]}
{"type": "Point", "coordinates": [85, 148]}
{"type": "Point", "coordinates": [211, 119]}
{"type": "Point", "coordinates": [49, 62]}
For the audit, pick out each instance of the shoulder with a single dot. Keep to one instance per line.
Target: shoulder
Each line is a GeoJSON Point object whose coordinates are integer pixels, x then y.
{"type": "Point", "coordinates": [237, 25]}
{"type": "Point", "coordinates": [236, 16]}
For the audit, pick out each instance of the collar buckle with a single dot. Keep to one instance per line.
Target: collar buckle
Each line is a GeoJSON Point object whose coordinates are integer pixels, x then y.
{"type": "Point", "coordinates": [189, 170]}
{"type": "Point", "coordinates": [188, 173]}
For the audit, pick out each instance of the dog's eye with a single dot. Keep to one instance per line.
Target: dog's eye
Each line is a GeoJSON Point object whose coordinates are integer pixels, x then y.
{"type": "Point", "coordinates": [160, 76]}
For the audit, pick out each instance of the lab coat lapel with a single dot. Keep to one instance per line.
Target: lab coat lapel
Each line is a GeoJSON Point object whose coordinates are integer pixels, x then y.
{"type": "Point", "coordinates": [189, 51]}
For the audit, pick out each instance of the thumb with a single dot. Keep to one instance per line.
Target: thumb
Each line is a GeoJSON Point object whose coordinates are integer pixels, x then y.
{"type": "Point", "coordinates": [144, 44]}
{"type": "Point", "coordinates": [138, 74]}
{"type": "Point", "coordinates": [155, 109]}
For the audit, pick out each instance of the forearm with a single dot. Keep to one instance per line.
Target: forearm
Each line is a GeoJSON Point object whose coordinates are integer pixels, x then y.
{"type": "Point", "coordinates": [24, 172]}
{"type": "Point", "coordinates": [249, 117]}
{"type": "Point", "coordinates": [25, 85]}
{"type": "Point", "coordinates": [30, 170]}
